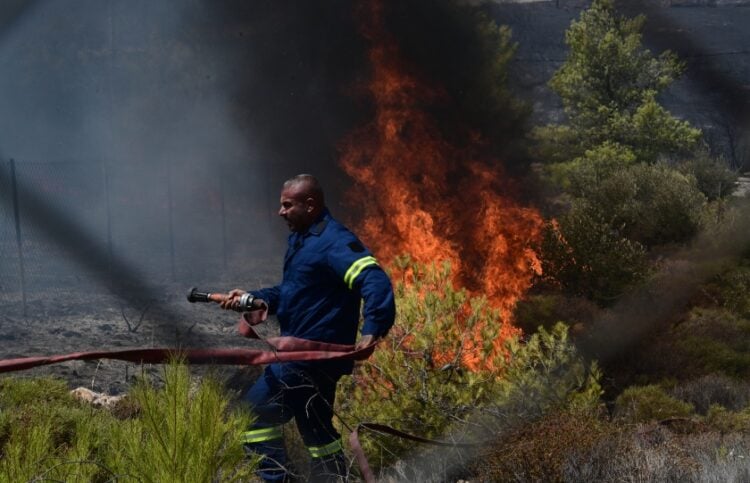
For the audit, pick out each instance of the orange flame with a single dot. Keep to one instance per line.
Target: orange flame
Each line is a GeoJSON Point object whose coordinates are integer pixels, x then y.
{"type": "Point", "coordinates": [427, 197]}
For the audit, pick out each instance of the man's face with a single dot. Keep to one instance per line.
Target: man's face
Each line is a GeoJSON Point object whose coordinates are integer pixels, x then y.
{"type": "Point", "coordinates": [296, 208]}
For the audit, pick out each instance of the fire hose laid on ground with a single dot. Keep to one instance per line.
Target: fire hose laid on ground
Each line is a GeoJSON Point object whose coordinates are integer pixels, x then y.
{"type": "Point", "coordinates": [280, 349]}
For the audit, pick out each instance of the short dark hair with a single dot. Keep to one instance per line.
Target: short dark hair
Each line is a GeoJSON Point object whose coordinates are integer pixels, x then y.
{"type": "Point", "coordinates": [312, 185]}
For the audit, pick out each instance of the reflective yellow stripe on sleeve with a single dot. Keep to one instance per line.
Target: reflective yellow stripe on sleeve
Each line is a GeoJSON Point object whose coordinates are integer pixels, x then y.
{"type": "Point", "coordinates": [329, 449]}
{"type": "Point", "coordinates": [262, 434]}
{"type": "Point", "coordinates": [356, 268]}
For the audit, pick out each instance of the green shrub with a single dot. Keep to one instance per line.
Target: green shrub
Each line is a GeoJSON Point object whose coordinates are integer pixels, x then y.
{"type": "Point", "coordinates": [649, 204]}
{"type": "Point", "coordinates": [598, 249]}
{"type": "Point", "coordinates": [586, 257]}
{"type": "Point", "coordinates": [545, 310]}
{"type": "Point", "coordinates": [713, 177]}
{"type": "Point", "coordinates": [449, 358]}
{"type": "Point", "coordinates": [727, 421]}
{"type": "Point", "coordinates": [545, 373]}
{"type": "Point", "coordinates": [178, 433]}
{"type": "Point", "coordinates": [579, 176]}
{"type": "Point", "coordinates": [45, 434]}
{"type": "Point", "coordinates": [639, 404]}
{"type": "Point", "coordinates": [734, 290]}
{"type": "Point", "coordinates": [184, 432]}
{"type": "Point", "coordinates": [713, 341]}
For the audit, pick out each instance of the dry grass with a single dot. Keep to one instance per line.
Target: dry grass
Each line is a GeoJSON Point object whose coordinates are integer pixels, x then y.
{"type": "Point", "coordinates": [578, 447]}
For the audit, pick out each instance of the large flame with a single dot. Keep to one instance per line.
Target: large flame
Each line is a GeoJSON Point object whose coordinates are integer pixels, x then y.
{"type": "Point", "coordinates": [425, 196]}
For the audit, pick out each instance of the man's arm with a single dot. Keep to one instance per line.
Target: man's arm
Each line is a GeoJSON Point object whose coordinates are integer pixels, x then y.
{"type": "Point", "coordinates": [379, 309]}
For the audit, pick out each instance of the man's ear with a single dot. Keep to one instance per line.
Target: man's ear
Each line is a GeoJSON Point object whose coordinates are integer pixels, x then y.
{"type": "Point", "coordinates": [310, 205]}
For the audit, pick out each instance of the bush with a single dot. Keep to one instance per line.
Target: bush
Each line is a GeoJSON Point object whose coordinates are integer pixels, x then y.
{"type": "Point", "coordinates": [653, 453]}
{"type": "Point", "coordinates": [541, 450]}
{"type": "Point", "coordinates": [734, 290]}
{"type": "Point", "coordinates": [45, 434]}
{"type": "Point", "coordinates": [586, 257]}
{"type": "Point", "coordinates": [184, 433]}
{"type": "Point", "coordinates": [180, 433]}
{"type": "Point", "coordinates": [579, 176]}
{"type": "Point", "coordinates": [649, 204]}
{"type": "Point", "coordinates": [546, 310]}
{"type": "Point", "coordinates": [714, 389]}
{"type": "Point", "coordinates": [449, 359]}
{"type": "Point", "coordinates": [639, 404]}
{"type": "Point", "coordinates": [728, 421]}
{"type": "Point", "coordinates": [713, 177]}
{"type": "Point", "coordinates": [713, 341]}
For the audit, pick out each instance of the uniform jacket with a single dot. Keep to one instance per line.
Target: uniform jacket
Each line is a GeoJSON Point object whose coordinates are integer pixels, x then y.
{"type": "Point", "coordinates": [327, 272]}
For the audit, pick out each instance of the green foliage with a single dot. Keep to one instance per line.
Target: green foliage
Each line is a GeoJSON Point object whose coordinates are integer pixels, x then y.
{"type": "Point", "coordinates": [579, 176]}
{"type": "Point", "coordinates": [620, 201]}
{"type": "Point", "coordinates": [45, 434]}
{"type": "Point", "coordinates": [649, 204]}
{"type": "Point", "coordinates": [546, 373]}
{"type": "Point", "coordinates": [598, 249]}
{"type": "Point", "coordinates": [449, 358]}
{"type": "Point", "coordinates": [545, 310]}
{"type": "Point", "coordinates": [639, 404]}
{"type": "Point", "coordinates": [733, 290]}
{"type": "Point", "coordinates": [181, 433]}
{"type": "Point", "coordinates": [607, 65]}
{"type": "Point", "coordinates": [713, 177]}
{"type": "Point", "coordinates": [726, 421]}
{"type": "Point", "coordinates": [418, 379]}
{"type": "Point", "coordinates": [713, 340]}
{"type": "Point", "coordinates": [608, 85]}
{"type": "Point", "coordinates": [585, 256]}
{"type": "Point", "coordinates": [184, 433]}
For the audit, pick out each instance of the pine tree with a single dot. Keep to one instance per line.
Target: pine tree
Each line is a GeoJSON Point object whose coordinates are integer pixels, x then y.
{"type": "Point", "coordinates": [609, 86]}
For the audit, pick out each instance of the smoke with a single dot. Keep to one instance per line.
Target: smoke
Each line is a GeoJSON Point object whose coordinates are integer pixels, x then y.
{"type": "Point", "coordinates": [654, 307]}
{"type": "Point", "coordinates": [149, 140]}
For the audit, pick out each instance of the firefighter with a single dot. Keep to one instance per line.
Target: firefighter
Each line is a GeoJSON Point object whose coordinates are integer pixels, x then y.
{"type": "Point", "coordinates": [327, 273]}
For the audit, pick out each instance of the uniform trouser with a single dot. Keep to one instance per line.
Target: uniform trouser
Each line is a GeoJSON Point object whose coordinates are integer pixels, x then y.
{"type": "Point", "coordinates": [287, 391]}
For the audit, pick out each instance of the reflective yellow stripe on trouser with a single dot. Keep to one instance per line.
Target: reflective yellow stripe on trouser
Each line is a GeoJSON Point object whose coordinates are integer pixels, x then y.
{"type": "Point", "coordinates": [329, 449]}
{"type": "Point", "coordinates": [356, 268]}
{"type": "Point", "coordinates": [262, 434]}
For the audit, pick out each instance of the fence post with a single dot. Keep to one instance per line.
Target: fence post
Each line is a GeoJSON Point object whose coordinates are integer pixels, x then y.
{"type": "Point", "coordinates": [108, 207]}
{"type": "Point", "coordinates": [171, 219]}
{"type": "Point", "coordinates": [19, 239]}
{"type": "Point", "coordinates": [223, 222]}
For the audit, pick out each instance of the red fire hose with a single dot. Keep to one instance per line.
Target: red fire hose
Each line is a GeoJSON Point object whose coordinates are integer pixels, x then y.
{"type": "Point", "coordinates": [281, 349]}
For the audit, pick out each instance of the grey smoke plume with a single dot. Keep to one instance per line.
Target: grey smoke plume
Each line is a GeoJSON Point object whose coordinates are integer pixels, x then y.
{"type": "Point", "coordinates": [150, 139]}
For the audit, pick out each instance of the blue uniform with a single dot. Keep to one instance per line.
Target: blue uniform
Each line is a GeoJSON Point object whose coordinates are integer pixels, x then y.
{"type": "Point", "coordinates": [327, 273]}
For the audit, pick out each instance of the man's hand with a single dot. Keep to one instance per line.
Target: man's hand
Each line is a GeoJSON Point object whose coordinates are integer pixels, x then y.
{"type": "Point", "coordinates": [364, 341]}
{"type": "Point", "coordinates": [232, 300]}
